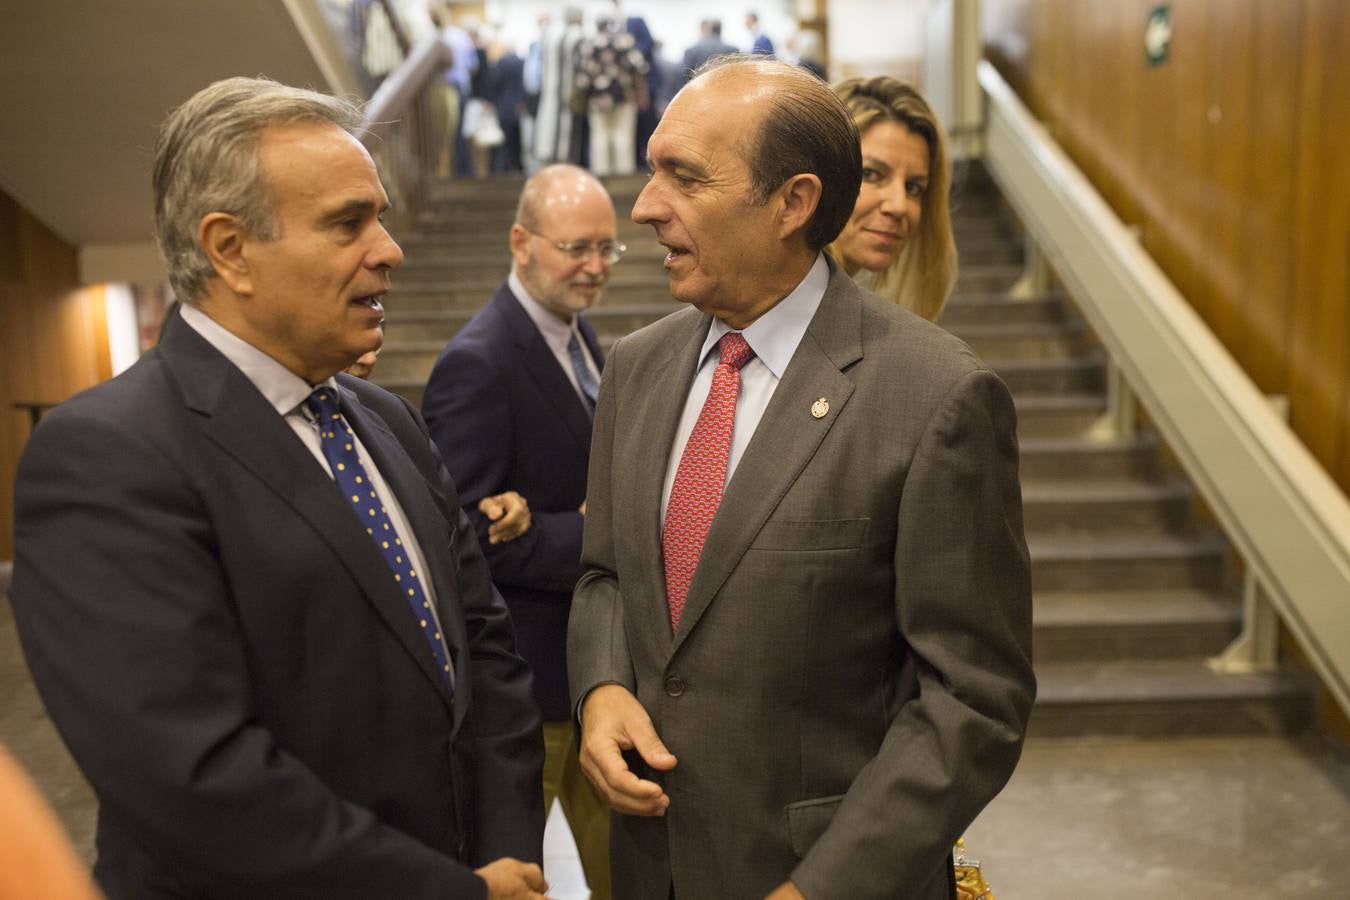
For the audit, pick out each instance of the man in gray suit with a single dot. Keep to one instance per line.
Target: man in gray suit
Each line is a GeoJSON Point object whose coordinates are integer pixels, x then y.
{"type": "Point", "coordinates": [800, 651]}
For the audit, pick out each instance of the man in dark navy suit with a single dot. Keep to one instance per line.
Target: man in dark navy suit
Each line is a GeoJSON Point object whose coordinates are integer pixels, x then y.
{"type": "Point", "coordinates": [242, 580]}
{"type": "Point", "coordinates": [762, 45]}
{"type": "Point", "coordinates": [510, 403]}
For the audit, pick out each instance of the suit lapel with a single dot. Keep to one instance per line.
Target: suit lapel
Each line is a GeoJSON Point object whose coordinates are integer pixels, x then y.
{"type": "Point", "coordinates": [658, 402]}
{"type": "Point", "coordinates": [243, 424]}
{"type": "Point", "coordinates": [542, 366]}
{"type": "Point", "coordinates": [783, 443]}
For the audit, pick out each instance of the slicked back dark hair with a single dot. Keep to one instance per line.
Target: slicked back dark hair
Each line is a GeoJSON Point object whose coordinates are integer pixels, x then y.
{"type": "Point", "coordinates": [805, 129]}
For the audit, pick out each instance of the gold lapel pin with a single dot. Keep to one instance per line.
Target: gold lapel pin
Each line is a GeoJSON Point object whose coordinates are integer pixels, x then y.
{"type": "Point", "coordinates": [820, 409]}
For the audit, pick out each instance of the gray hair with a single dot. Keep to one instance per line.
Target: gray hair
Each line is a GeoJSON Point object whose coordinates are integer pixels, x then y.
{"type": "Point", "coordinates": [206, 160]}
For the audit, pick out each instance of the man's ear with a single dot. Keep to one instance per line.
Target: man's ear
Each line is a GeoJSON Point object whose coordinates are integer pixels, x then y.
{"type": "Point", "coordinates": [519, 238]}
{"type": "Point", "coordinates": [223, 238]}
{"type": "Point", "coordinates": [800, 196]}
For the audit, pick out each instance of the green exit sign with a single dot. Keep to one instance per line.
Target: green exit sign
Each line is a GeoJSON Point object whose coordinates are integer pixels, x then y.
{"type": "Point", "coordinates": [1158, 34]}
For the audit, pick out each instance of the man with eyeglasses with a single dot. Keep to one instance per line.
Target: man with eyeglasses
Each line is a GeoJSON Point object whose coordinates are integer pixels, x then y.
{"type": "Point", "coordinates": [509, 404]}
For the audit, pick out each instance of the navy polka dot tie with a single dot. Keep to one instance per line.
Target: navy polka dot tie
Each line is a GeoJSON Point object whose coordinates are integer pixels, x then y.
{"type": "Point", "coordinates": [339, 447]}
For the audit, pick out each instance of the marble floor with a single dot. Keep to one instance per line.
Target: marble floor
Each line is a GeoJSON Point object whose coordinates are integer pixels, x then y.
{"type": "Point", "coordinates": [1082, 818]}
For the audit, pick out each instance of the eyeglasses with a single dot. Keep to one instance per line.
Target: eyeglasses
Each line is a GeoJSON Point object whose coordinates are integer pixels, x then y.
{"type": "Point", "coordinates": [579, 251]}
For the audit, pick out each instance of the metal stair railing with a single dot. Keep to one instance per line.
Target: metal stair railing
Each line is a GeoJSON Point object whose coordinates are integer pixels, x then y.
{"type": "Point", "coordinates": [408, 126]}
{"type": "Point", "coordinates": [1281, 510]}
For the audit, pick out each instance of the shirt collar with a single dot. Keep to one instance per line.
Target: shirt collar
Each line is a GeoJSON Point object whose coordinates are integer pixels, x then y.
{"type": "Point", "coordinates": [557, 332]}
{"type": "Point", "coordinates": [775, 335]}
{"type": "Point", "coordinates": [279, 385]}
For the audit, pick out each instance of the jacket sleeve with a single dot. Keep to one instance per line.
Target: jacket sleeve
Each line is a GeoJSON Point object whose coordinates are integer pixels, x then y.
{"type": "Point", "coordinates": [597, 645]}
{"type": "Point", "coordinates": [963, 607]}
{"type": "Point", "coordinates": [503, 722]}
{"type": "Point", "coordinates": [129, 628]}
{"type": "Point", "coordinates": [468, 411]}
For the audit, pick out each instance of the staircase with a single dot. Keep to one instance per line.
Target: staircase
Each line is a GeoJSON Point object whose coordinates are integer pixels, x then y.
{"type": "Point", "coordinates": [457, 257]}
{"type": "Point", "coordinates": [1133, 590]}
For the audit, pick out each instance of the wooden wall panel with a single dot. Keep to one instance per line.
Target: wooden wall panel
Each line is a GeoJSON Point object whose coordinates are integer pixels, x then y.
{"type": "Point", "coordinates": [1229, 157]}
{"type": "Point", "coordinates": [1266, 201]}
{"type": "Point", "coordinates": [53, 337]}
{"type": "Point", "coordinates": [1319, 345]}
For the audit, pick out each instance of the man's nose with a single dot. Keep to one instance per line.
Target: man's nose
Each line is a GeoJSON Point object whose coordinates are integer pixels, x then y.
{"type": "Point", "coordinates": [386, 254]}
{"type": "Point", "coordinates": [595, 264]}
{"type": "Point", "coordinates": [648, 209]}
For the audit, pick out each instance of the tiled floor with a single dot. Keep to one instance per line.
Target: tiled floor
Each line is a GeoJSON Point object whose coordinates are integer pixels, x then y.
{"type": "Point", "coordinates": [1082, 819]}
{"type": "Point", "coordinates": [1105, 819]}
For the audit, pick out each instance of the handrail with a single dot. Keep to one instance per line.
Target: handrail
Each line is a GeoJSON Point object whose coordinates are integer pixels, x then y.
{"type": "Point", "coordinates": [397, 92]}
{"type": "Point", "coordinates": [1280, 509]}
{"type": "Point", "coordinates": [325, 45]}
{"type": "Point", "coordinates": [407, 127]}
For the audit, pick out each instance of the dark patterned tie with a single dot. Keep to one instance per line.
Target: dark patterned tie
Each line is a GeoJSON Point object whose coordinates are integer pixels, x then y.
{"type": "Point", "coordinates": [589, 388]}
{"type": "Point", "coordinates": [339, 447]}
{"type": "Point", "coordinates": [701, 475]}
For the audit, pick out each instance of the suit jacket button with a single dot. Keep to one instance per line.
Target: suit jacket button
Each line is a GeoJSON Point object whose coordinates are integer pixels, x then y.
{"type": "Point", "coordinates": [674, 686]}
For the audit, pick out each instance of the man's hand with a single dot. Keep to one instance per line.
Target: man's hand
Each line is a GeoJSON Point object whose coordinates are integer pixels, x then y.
{"type": "Point", "coordinates": [509, 513]}
{"type": "Point", "coordinates": [786, 891]}
{"type": "Point", "coordinates": [511, 879]}
{"type": "Point", "coordinates": [612, 721]}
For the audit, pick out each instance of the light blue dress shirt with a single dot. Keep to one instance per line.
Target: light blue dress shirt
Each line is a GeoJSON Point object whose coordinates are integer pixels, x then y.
{"type": "Point", "coordinates": [774, 337]}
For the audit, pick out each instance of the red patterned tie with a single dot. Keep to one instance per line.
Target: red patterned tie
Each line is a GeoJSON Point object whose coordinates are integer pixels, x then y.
{"type": "Point", "coordinates": [701, 475]}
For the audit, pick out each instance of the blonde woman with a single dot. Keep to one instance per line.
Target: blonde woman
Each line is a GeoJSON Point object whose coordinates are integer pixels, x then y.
{"type": "Point", "coordinates": [898, 242]}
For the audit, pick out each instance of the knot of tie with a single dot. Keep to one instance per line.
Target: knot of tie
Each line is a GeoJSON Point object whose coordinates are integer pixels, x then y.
{"type": "Point", "coordinates": [323, 405]}
{"type": "Point", "coordinates": [734, 350]}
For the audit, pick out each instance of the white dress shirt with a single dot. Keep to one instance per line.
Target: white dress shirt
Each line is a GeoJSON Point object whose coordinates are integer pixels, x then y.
{"type": "Point", "coordinates": [773, 337]}
{"type": "Point", "coordinates": [287, 393]}
{"type": "Point", "coordinates": [556, 334]}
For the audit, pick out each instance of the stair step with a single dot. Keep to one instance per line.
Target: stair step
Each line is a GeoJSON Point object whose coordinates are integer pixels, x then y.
{"type": "Point", "coordinates": [409, 359]}
{"type": "Point", "coordinates": [639, 274]}
{"type": "Point", "coordinates": [987, 252]}
{"type": "Point", "coordinates": [1073, 458]}
{"type": "Point", "coordinates": [971, 308]}
{"type": "Point", "coordinates": [1066, 416]}
{"type": "Point", "coordinates": [471, 292]}
{"type": "Point", "coordinates": [480, 234]}
{"type": "Point", "coordinates": [1026, 340]}
{"type": "Point", "coordinates": [1084, 374]}
{"type": "Point", "coordinates": [1082, 507]}
{"type": "Point", "coordinates": [1139, 624]}
{"type": "Point", "coordinates": [469, 297]}
{"type": "Point", "coordinates": [509, 186]}
{"type": "Point", "coordinates": [984, 220]}
{"type": "Point", "coordinates": [985, 279]}
{"type": "Point", "coordinates": [402, 326]}
{"type": "Point", "coordinates": [1166, 698]}
{"type": "Point", "coordinates": [1089, 562]}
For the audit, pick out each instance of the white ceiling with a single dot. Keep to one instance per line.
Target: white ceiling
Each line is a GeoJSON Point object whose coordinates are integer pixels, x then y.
{"type": "Point", "coordinates": [84, 85]}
